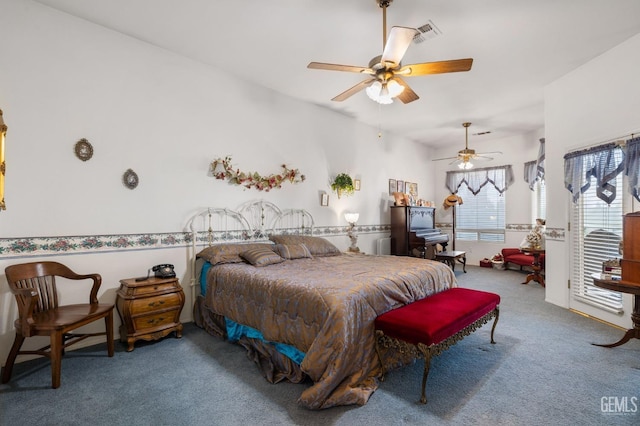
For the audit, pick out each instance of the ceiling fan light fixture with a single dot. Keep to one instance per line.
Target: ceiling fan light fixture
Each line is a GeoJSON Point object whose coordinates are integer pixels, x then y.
{"type": "Point", "coordinates": [465, 165]}
{"type": "Point", "coordinates": [379, 92]}
{"type": "Point", "coordinates": [373, 91]}
{"type": "Point", "coordinates": [384, 67]}
{"type": "Point", "coordinates": [384, 92]}
{"type": "Point", "coordinates": [394, 88]}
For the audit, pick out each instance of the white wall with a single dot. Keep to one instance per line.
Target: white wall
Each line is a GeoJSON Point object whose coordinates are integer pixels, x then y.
{"type": "Point", "coordinates": [167, 118]}
{"type": "Point", "coordinates": [593, 104]}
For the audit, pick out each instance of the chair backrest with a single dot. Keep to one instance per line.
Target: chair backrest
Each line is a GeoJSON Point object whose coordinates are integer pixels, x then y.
{"type": "Point", "coordinates": [39, 276]}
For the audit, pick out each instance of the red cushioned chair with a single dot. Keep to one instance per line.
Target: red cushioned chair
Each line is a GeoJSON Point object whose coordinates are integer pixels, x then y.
{"type": "Point", "coordinates": [515, 256]}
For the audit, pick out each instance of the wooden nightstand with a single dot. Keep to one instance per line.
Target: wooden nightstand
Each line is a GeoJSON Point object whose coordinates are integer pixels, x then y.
{"type": "Point", "coordinates": [149, 309]}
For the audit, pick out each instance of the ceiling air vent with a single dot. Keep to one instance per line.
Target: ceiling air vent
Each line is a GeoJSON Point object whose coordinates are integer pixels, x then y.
{"type": "Point", "coordinates": [426, 32]}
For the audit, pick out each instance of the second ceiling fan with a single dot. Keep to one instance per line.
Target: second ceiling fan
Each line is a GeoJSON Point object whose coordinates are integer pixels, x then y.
{"type": "Point", "coordinates": [467, 154]}
{"type": "Point", "coordinates": [386, 72]}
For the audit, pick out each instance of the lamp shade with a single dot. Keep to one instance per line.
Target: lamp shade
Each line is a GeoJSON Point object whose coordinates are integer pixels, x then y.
{"type": "Point", "coordinates": [352, 217]}
{"type": "Point", "coordinates": [394, 88]}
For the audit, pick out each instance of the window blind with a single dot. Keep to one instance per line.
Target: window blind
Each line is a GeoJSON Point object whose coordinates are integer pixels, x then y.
{"type": "Point", "coordinates": [597, 231]}
{"type": "Point", "coordinates": [480, 217]}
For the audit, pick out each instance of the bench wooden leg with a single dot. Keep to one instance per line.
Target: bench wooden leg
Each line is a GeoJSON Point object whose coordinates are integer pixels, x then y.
{"type": "Point", "coordinates": [495, 322]}
{"type": "Point", "coordinates": [425, 374]}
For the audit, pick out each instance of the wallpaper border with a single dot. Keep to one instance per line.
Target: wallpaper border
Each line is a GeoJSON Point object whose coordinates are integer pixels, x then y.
{"type": "Point", "coordinates": [49, 246]}
{"type": "Point", "coordinates": [550, 234]}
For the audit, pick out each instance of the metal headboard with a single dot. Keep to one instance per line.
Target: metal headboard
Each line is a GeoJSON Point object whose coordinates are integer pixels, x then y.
{"type": "Point", "coordinates": [260, 215]}
{"type": "Point", "coordinates": [214, 225]}
{"type": "Point", "coordinates": [228, 224]}
{"type": "Point", "coordinates": [293, 222]}
{"type": "Point", "coordinates": [252, 221]}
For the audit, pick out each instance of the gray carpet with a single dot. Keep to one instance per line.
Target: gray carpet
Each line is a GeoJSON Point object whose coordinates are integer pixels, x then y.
{"type": "Point", "coordinates": [542, 371]}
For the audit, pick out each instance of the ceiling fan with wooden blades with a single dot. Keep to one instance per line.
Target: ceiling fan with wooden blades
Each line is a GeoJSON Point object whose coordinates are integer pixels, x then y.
{"type": "Point", "coordinates": [386, 72]}
{"type": "Point", "coordinates": [467, 154]}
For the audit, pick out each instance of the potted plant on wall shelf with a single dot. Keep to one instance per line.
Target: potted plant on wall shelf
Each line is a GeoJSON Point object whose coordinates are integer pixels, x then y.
{"type": "Point", "coordinates": [343, 184]}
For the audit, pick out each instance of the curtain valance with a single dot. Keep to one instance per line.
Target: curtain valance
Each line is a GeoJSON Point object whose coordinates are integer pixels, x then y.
{"type": "Point", "coordinates": [534, 170]}
{"type": "Point", "coordinates": [531, 173]}
{"type": "Point", "coordinates": [632, 166]}
{"type": "Point", "coordinates": [500, 177]}
{"type": "Point", "coordinates": [603, 162]}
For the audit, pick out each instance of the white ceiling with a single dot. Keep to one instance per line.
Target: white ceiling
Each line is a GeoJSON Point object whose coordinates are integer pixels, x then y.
{"type": "Point", "coordinates": [518, 47]}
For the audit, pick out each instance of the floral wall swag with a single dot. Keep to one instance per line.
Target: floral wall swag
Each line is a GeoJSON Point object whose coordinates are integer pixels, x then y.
{"type": "Point", "coordinates": [222, 169]}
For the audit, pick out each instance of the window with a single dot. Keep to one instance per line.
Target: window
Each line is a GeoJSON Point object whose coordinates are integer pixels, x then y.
{"type": "Point", "coordinates": [480, 217]}
{"type": "Point", "coordinates": [597, 231]}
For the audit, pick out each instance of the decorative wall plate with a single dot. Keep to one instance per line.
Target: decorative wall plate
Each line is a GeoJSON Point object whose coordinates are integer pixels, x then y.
{"type": "Point", "coordinates": [83, 149]}
{"type": "Point", "coordinates": [130, 179]}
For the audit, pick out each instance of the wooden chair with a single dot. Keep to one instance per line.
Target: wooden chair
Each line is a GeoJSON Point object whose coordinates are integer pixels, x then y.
{"type": "Point", "coordinates": [39, 314]}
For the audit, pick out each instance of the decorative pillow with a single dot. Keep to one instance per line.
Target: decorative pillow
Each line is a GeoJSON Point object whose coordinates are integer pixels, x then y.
{"type": "Point", "coordinates": [292, 251]}
{"type": "Point", "coordinates": [317, 246]}
{"type": "Point", "coordinates": [262, 256]}
{"type": "Point", "coordinates": [229, 252]}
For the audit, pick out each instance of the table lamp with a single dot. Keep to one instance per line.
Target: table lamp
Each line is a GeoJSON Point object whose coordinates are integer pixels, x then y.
{"type": "Point", "coordinates": [352, 218]}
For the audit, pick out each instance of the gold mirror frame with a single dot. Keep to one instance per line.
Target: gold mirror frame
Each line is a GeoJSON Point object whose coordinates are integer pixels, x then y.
{"type": "Point", "coordinates": [3, 132]}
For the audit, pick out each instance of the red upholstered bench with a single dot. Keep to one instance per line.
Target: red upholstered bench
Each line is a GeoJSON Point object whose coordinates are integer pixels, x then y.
{"type": "Point", "coordinates": [431, 325]}
{"type": "Point", "coordinates": [517, 257]}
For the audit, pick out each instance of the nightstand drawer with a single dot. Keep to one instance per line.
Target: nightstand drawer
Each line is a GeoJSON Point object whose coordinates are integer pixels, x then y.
{"type": "Point", "coordinates": [155, 320]}
{"type": "Point", "coordinates": [154, 304]}
{"type": "Point", "coordinates": [151, 289]}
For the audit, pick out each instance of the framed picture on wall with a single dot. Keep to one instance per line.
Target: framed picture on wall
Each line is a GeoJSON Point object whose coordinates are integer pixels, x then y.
{"type": "Point", "coordinates": [393, 186]}
{"type": "Point", "coordinates": [413, 189]}
{"type": "Point", "coordinates": [400, 186]}
{"type": "Point", "coordinates": [356, 184]}
{"type": "Point", "coordinates": [324, 199]}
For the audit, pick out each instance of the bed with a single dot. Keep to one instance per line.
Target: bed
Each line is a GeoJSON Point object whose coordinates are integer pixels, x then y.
{"type": "Point", "coordinates": [303, 310]}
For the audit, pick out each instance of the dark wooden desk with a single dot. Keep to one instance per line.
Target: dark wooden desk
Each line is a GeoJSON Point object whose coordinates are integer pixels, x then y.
{"type": "Point", "coordinates": [624, 287]}
{"type": "Point", "coordinates": [535, 265]}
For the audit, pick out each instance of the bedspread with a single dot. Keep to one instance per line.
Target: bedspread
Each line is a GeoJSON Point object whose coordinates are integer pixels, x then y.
{"type": "Point", "coordinates": [326, 307]}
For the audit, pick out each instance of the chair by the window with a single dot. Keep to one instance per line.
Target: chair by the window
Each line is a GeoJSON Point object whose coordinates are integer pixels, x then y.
{"type": "Point", "coordinates": [40, 314]}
